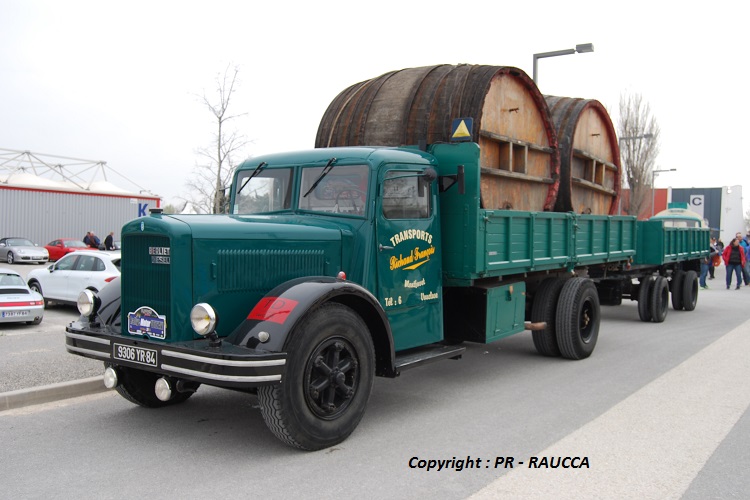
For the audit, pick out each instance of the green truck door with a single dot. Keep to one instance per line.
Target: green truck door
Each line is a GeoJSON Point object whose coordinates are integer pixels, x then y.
{"type": "Point", "coordinates": [408, 257]}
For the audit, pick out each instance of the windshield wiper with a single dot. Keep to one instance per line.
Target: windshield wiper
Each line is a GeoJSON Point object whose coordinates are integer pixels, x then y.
{"type": "Point", "coordinates": [257, 170]}
{"type": "Point", "coordinates": [326, 169]}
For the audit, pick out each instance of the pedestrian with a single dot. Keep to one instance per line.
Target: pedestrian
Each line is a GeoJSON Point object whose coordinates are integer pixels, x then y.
{"type": "Point", "coordinates": [109, 241]}
{"type": "Point", "coordinates": [707, 264]}
{"type": "Point", "coordinates": [734, 259]}
{"type": "Point", "coordinates": [87, 238]}
{"type": "Point", "coordinates": [93, 240]}
{"type": "Point", "coordinates": [715, 260]}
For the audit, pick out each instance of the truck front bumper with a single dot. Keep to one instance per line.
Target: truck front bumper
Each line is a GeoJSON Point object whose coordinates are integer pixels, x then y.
{"type": "Point", "coordinates": [227, 365]}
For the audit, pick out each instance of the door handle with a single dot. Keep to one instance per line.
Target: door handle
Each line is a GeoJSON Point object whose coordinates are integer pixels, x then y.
{"type": "Point", "coordinates": [382, 247]}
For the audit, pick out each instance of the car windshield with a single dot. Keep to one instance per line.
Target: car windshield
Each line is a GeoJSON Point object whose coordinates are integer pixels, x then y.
{"type": "Point", "coordinates": [269, 191]}
{"type": "Point", "coordinates": [75, 244]}
{"type": "Point", "coordinates": [19, 242]}
{"type": "Point", "coordinates": [342, 191]}
{"type": "Point", "coordinates": [11, 280]}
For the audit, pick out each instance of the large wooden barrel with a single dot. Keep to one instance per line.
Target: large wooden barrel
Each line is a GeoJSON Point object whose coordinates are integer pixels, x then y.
{"type": "Point", "coordinates": [519, 157]}
{"type": "Point", "coordinates": [590, 173]}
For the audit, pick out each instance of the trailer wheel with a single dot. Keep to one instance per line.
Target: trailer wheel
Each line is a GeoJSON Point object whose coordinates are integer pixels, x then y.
{"type": "Point", "coordinates": [690, 291]}
{"type": "Point", "coordinates": [577, 319]}
{"type": "Point", "coordinates": [137, 386]}
{"type": "Point", "coordinates": [659, 300]}
{"type": "Point", "coordinates": [330, 370]}
{"type": "Point", "coordinates": [678, 282]}
{"type": "Point", "coordinates": [545, 309]}
{"type": "Point", "coordinates": [644, 292]}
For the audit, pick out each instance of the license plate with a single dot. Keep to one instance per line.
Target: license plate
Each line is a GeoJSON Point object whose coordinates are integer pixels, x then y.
{"type": "Point", "coordinates": [13, 314]}
{"type": "Point", "coordinates": [134, 354]}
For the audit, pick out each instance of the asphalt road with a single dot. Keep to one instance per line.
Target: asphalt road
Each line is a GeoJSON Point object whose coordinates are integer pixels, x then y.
{"type": "Point", "coordinates": [35, 355]}
{"type": "Point", "coordinates": [658, 411]}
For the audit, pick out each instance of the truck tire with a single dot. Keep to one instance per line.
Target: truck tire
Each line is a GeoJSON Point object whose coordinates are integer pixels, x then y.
{"type": "Point", "coordinates": [544, 309]}
{"type": "Point", "coordinates": [137, 386]}
{"type": "Point", "coordinates": [658, 303]}
{"type": "Point", "coordinates": [644, 292]}
{"type": "Point", "coordinates": [330, 370]}
{"type": "Point", "coordinates": [690, 291]}
{"type": "Point", "coordinates": [678, 282]}
{"type": "Point", "coordinates": [577, 319]}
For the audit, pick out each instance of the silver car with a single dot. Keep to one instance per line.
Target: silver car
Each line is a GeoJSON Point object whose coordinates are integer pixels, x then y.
{"type": "Point", "coordinates": [19, 250]}
{"type": "Point", "coordinates": [18, 303]}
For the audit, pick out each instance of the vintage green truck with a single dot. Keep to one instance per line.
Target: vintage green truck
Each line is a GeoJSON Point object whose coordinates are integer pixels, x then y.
{"type": "Point", "coordinates": [335, 265]}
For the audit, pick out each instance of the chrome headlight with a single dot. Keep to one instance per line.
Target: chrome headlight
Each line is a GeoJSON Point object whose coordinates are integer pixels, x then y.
{"type": "Point", "coordinates": [86, 303]}
{"type": "Point", "coordinates": [203, 318]}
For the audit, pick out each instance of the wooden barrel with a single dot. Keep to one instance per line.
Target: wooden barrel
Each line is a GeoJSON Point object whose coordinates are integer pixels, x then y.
{"type": "Point", "coordinates": [590, 173]}
{"type": "Point", "coordinates": [519, 158]}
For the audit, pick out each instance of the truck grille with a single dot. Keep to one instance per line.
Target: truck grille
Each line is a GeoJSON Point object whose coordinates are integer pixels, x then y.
{"type": "Point", "coordinates": [261, 270]}
{"type": "Point", "coordinates": [144, 283]}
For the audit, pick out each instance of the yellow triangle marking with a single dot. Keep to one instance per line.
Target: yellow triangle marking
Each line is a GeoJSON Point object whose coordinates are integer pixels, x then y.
{"type": "Point", "coordinates": [461, 130]}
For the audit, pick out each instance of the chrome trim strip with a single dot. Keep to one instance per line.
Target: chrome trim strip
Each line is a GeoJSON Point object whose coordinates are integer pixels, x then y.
{"type": "Point", "coordinates": [89, 352]}
{"type": "Point", "coordinates": [87, 338]}
{"type": "Point", "coordinates": [222, 378]}
{"type": "Point", "coordinates": [224, 362]}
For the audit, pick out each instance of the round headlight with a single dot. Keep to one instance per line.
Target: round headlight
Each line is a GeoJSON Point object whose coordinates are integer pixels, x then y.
{"type": "Point", "coordinates": [85, 302]}
{"type": "Point", "coordinates": [203, 319]}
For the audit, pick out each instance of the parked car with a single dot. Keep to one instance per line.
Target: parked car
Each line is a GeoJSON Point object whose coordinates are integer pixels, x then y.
{"type": "Point", "coordinates": [18, 303]}
{"type": "Point", "coordinates": [75, 272]}
{"type": "Point", "coordinates": [58, 248]}
{"type": "Point", "coordinates": [18, 250]}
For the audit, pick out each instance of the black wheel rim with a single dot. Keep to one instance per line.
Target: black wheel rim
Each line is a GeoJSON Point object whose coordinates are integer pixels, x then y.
{"type": "Point", "coordinates": [331, 378]}
{"type": "Point", "coordinates": [586, 321]}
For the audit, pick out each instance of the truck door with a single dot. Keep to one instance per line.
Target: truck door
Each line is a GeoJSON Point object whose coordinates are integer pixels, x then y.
{"type": "Point", "coordinates": [408, 256]}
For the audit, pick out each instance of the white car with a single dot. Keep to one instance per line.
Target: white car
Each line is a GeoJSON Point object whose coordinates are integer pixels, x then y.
{"type": "Point", "coordinates": [18, 303]}
{"type": "Point", "coordinates": [74, 273]}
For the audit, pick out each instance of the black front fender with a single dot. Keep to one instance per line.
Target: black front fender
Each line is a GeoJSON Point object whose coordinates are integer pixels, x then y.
{"type": "Point", "coordinates": [271, 323]}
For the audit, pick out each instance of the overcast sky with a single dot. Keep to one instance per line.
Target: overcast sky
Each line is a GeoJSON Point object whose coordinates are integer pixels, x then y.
{"type": "Point", "coordinates": [121, 81]}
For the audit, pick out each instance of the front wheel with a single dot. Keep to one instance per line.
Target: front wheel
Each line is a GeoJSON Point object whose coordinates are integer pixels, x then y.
{"type": "Point", "coordinates": [10, 258]}
{"type": "Point", "coordinates": [330, 370]}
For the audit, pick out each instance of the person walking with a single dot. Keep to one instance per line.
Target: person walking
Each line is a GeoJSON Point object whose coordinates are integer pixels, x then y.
{"type": "Point", "coordinates": [716, 259]}
{"type": "Point", "coordinates": [109, 241]}
{"type": "Point", "coordinates": [734, 259]}
{"type": "Point", "coordinates": [707, 265]}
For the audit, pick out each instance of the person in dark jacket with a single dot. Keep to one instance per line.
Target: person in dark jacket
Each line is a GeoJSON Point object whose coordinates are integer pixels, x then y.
{"type": "Point", "coordinates": [734, 259]}
{"type": "Point", "coordinates": [109, 241]}
{"type": "Point", "coordinates": [707, 264]}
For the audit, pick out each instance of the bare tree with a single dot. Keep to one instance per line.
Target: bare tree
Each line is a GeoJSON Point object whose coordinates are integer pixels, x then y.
{"type": "Point", "coordinates": [211, 180]}
{"type": "Point", "coordinates": [638, 134]}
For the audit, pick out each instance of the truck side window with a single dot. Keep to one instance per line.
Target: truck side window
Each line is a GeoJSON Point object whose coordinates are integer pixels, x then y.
{"type": "Point", "coordinates": [405, 197]}
{"type": "Point", "coordinates": [269, 191]}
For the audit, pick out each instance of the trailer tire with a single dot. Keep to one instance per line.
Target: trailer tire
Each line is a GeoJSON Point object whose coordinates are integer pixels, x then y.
{"type": "Point", "coordinates": [544, 309]}
{"type": "Point", "coordinates": [690, 291]}
{"type": "Point", "coordinates": [659, 299]}
{"type": "Point", "coordinates": [330, 370]}
{"type": "Point", "coordinates": [578, 317]}
{"type": "Point", "coordinates": [644, 292]}
{"type": "Point", "coordinates": [678, 282]}
{"type": "Point", "coordinates": [137, 386]}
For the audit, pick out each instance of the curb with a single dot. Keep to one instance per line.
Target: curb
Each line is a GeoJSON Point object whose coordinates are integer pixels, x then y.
{"type": "Point", "coordinates": [53, 392]}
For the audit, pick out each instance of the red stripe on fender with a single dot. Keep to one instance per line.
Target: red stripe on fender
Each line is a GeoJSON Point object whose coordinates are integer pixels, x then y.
{"type": "Point", "coordinates": [275, 309]}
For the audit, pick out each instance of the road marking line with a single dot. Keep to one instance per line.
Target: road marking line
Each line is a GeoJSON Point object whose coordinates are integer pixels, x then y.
{"type": "Point", "coordinates": [653, 443]}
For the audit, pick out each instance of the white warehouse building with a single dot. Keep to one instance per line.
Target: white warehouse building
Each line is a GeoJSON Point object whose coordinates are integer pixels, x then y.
{"type": "Point", "coordinates": [42, 209]}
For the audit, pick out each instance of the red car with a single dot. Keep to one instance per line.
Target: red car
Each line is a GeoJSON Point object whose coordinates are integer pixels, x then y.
{"type": "Point", "coordinates": [62, 247]}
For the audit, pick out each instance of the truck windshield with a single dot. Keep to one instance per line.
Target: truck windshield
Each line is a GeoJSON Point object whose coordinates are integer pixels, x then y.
{"type": "Point", "coordinates": [268, 191]}
{"type": "Point", "coordinates": [342, 191]}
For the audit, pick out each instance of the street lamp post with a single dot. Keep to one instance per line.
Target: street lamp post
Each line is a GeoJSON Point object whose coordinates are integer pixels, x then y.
{"type": "Point", "coordinates": [580, 48]}
{"type": "Point", "coordinates": [653, 189]}
{"type": "Point", "coordinates": [619, 143]}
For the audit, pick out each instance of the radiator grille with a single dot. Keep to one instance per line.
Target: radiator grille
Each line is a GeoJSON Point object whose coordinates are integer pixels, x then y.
{"type": "Point", "coordinates": [261, 270]}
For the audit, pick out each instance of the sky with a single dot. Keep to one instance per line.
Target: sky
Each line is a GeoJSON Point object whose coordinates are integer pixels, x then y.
{"type": "Point", "coordinates": [122, 82]}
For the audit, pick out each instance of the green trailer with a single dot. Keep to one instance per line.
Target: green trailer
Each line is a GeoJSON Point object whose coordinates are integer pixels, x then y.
{"type": "Point", "coordinates": [336, 265]}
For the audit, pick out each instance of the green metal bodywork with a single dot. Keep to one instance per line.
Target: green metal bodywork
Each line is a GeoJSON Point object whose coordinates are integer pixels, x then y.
{"type": "Point", "coordinates": [172, 262]}
{"type": "Point", "coordinates": [659, 245]}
